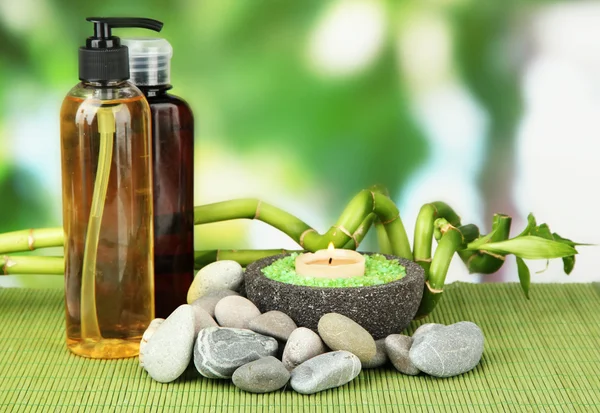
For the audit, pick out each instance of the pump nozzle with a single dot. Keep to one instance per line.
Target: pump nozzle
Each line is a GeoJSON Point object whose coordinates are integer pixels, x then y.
{"type": "Point", "coordinates": [103, 25]}
{"type": "Point", "coordinates": [103, 58]}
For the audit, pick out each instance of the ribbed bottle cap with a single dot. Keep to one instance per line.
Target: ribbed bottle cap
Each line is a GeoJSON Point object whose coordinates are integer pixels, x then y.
{"type": "Point", "coordinates": [149, 60]}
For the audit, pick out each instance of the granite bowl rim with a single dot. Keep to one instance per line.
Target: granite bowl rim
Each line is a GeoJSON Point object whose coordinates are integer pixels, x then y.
{"type": "Point", "coordinates": [410, 276]}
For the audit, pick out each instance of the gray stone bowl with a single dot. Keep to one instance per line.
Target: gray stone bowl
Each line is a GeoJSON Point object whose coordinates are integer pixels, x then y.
{"type": "Point", "coordinates": [381, 309]}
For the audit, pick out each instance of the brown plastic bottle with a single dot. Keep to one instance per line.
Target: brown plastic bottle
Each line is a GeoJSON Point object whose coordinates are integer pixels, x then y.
{"type": "Point", "coordinates": [107, 200]}
{"type": "Point", "coordinates": [173, 172]}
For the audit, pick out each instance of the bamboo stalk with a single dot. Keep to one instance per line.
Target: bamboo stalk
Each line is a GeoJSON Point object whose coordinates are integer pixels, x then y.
{"type": "Point", "coordinates": [485, 262]}
{"type": "Point", "coordinates": [382, 238]}
{"type": "Point", "coordinates": [31, 239]}
{"type": "Point", "coordinates": [452, 240]}
{"type": "Point", "coordinates": [424, 228]}
{"type": "Point", "coordinates": [11, 265]}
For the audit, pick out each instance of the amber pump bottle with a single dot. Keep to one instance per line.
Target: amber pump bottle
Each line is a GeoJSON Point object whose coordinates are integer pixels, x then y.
{"type": "Point", "coordinates": [107, 200]}
{"type": "Point", "coordinates": [173, 172]}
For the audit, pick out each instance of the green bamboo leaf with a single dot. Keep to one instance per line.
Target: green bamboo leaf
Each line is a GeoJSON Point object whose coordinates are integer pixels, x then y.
{"type": "Point", "coordinates": [480, 241]}
{"type": "Point", "coordinates": [530, 247]}
{"type": "Point", "coordinates": [568, 241]}
{"type": "Point", "coordinates": [524, 276]}
{"type": "Point", "coordinates": [568, 264]}
{"type": "Point", "coordinates": [531, 224]}
{"type": "Point", "coordinates": [542, 231]}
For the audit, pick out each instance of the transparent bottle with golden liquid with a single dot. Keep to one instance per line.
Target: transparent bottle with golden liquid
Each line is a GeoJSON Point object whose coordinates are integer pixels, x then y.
{"type": "Point", "coordinates": [107, 202]}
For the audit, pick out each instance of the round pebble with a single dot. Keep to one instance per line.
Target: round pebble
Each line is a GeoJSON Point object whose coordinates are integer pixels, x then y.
{"type": "Point", "coordinates": [341, 333]}
{"type": "Point", "coordinates": [146, 336]}
{"type": "Point", "coordinates": [398, 347]}
{"type": "Point", "coordinates": [448, 351]}
{"type": "Point", "coordinates": [220, 351]}
{"type": "Point", "coordinates": [168, 352]}
{"type": "Point", "coordinates": [215, 276]}
{"type": "Point", "coordinates": [325, 371]}
{"type": "Point", "coordinates": [302, 344]}
{"type": "Point", "coordinates": [380, 358]}
{"type": "Point", "coordinates": [274, 324]}
{"type": "Point", "coordinates": [235, 312]}
{"type": "Point", "coordinates": [209, 301]}
{"type": "Point", "coordinates": [423, 329]}
{"type": "Point", "coordinates": [202, 319]}
{"type": "Point", "coordinates": [261, 376]}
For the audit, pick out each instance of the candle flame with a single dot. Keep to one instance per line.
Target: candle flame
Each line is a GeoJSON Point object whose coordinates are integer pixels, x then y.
{"type": "Point", "coordinates": [330, 247]}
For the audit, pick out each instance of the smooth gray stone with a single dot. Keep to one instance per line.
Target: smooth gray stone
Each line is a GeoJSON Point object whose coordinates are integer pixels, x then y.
{"type": "Point", "coordinates": [202, 320]}
{"type": "Point", "coordinates": [325, 371]}
{"type": "Point", "coordinates": [261, 376]}
{"type": "Point", "coordinates": [380, 358]}
{"type": "Point", "coordinates": [215, 276]}
{"type": "Point", "coordinates": [398, 347]}
{"type": "Point", "coordinates": [209, 301]}
{"type": "Point", "coordinates": [450, 350]}
{"type": "Point", "coordinates": [146, 336]}
{"type": "Point", "coordinates": [220, 351]}
{"type": "Point", "coordinates": [235, 312]}
{"type": "Point", "coordinates": [342, 333]}
{"type": "Point", "coordinates": [168, 351]}
{"type": "Point", "coordinates": [273, 324]}
{"type": "Point", "coordinates": [303, 344]}
{"type": "Point", "coordinates": [424, 329]}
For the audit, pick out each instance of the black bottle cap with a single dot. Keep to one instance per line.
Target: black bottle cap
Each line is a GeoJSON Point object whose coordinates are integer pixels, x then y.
{"type": "Point", "coordinates": [103, 58]}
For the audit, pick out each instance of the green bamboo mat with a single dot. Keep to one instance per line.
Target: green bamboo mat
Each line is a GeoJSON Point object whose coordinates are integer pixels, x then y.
{"type": "Point", "coordinates": [540, 355]}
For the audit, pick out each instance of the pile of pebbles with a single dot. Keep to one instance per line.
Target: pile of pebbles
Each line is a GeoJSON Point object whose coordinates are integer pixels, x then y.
{"type": "Point", "coordinates": [227, 337]}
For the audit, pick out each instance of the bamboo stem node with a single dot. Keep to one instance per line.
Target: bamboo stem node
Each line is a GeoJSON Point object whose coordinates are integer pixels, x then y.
{"type": "Point", "coordinates": [257, 213]}
{"type": "Point", "coordinates": [433, 290]}
{"type": "Point", "coordinates": [30, 240]}
{"type": "Point", "coordinates": [301, 241]}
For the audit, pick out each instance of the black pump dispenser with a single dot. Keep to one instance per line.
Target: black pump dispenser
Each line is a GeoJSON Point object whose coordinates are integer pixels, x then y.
{"type": "Point", "coordinates": [103, 59]}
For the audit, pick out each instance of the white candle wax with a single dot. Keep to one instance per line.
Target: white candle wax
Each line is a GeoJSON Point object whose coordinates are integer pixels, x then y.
{"type": "Point", "coordinates": [331, 263]}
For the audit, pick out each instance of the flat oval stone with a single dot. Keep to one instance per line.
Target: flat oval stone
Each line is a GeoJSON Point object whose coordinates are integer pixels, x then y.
{"type": "Point", "coordinates": [168, 352]}
{"type": "Point", "coordinates": [261, 376]}
{"type": "Point", "coordinates": [273, 324]}
{"type": "Point", "coordinates": [146, 336]}
{"type": "Point", "coordinates": [380, 359]}
{"type": "Point", "coordinates": [325, 371]}
{"type": "Point", "coordinates": [302, 344]}
{"type": "Point", "coordinates": [235, 312]}
{"type": "Point", "coordinates": [202, 319]}
{"type": "Point", "coordinates": [424, 329]}
{"type": "Point", "coordinates": [218, 275]}
{"type": "Point", "coordinates": [449, 351]}
{"type": "Point", "coordinates": [209, 301]}
{"type": "Point", "coordinates": [398, 347]}
{"type": "Point", "coordinates": [220, 351]}
{"type": "Point", "coordinates": [342, 333]}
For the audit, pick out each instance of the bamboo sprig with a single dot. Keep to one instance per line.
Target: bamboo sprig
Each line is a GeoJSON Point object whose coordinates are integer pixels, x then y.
{"type": "Point", "coordinates": [31, 265]}
{"type": "Point", "coordinates": [451, 240]}
{"type": "Point", "coordinates": [424, 229]}
{"type": "Point", "coordinates": [486, 262]}
{"type": "Point", "coordinates": [31, 239]}
{"type": "Point", "coordinates": [352, 221]}
{"type": "Point", "coordinates": [369, 207]}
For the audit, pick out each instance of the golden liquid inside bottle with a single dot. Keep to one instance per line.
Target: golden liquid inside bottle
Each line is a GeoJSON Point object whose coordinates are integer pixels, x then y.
{"type": "Point", "coordinates": [124, 284]}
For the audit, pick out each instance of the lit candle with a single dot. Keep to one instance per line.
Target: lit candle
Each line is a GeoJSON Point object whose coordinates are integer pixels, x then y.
{"type": "Point", "coordinates": [331, 263]}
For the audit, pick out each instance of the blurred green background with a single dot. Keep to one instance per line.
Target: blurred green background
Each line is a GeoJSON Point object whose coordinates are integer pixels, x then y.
{"type": "Point", "coordinates": [489, 106]}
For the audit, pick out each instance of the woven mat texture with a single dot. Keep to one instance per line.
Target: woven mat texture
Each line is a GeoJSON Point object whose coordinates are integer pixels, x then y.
{"type": "Point", "coordinates": [540, 355]}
